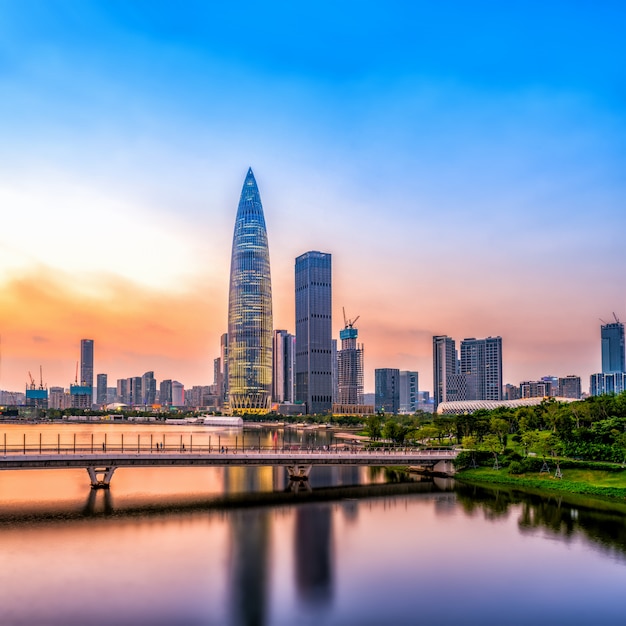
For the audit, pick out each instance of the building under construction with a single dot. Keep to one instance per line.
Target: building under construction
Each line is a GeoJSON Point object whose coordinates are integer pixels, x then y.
{"type": "Point", "coordinates": [350, 371]}
{"type": "Point", "coordinates": [36, 397]}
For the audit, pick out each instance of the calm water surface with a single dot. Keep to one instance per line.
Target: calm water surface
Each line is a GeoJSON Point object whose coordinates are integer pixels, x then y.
{"type": "Point", "coordinates": [238, 546]}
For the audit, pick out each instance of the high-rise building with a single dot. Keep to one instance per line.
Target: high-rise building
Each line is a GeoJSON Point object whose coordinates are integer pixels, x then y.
{"type": "Point", "coordinates": [570, 387]}
{"type": "Point", "coordinates": [250, 307]}
{"type": "Point", "coordinates": [612, 336]}
{"type": "Point", "coordinates": [481, 364]}
{"type": "Point", "coordinates": [148, 388]}
{"type": "Point", "coordinates": [387, 390]}
{"type": "Point", "coordinates": [135, 390]}
{"type": "Point", "coordinates": [165, 392]}
{"type": "Point", "coordinates": [101, 389]}
{"type": "Point", "coordinates": [86, 363]}
{"type": "Point", "coordinates": [535, 389]}
{"type": "Point", "coordinates": [178, 393]}
{"type": "Point", "coordinates": [122, 391]}
{"type": "Point", "coordinates": [314, 371]}
{"type": "Point", "coordinates": [350, 366]}
{"type": "Point", "coordinates": [284, 366]}
{"type": "Point", "coordinates": [409, 392]}
{"type": "Point", "coordinates": [601, 384]}
{"type": "Point", "coordinates": [444, 366]}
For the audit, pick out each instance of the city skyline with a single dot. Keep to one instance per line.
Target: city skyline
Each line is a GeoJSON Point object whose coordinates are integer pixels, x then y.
{"type": "Point", "coordinates": [466, 175]}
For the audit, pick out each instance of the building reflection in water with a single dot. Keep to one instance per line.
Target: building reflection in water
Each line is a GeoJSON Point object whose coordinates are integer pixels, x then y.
{"type": "Point", "coordinates": [314, 554]}
{"type": "Point", "coordinates": [250, 539]}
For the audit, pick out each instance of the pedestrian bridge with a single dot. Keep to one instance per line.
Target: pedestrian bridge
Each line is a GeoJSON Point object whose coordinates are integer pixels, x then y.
{"type": "Point", "coordinates": [101, 465]}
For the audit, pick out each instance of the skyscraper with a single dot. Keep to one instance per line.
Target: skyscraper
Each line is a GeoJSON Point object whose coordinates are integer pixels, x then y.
{"type": "Point", "coordinates": [101, 392]}
{"type": "Point", "coordinates": [444, 367]}
{"type": "Point", "coordinates": [314, 372]}
{"type": "Point", "coordinates": [250, 307]}
{"type": "Point", "coordinates": [481, 364]}
{"type": "Point", "coordinates": [612, 336]}
{"type": "Point", "coordinates": [387, 385]}
{"type": "Point", "coordinates": [86, 363]}
{"type": "Point", "coordinates": [283, 377]}
{"type": "Point", "coordinates": [409, 391]}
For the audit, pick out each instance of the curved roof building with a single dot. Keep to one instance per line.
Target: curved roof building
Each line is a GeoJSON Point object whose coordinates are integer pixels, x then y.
{"type": "Point", "coordinates": [250, 308]}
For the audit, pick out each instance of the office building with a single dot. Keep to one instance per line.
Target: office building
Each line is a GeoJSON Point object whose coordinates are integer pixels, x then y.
{"type": "Point", "coordinates": [86, 362]}
{"type": "Point", "coordinates": [148, 389]}
{"type": "Point", "coordinates": [284, 354]}
{"type": "Point", "coordinates": [612, 337]}
{"type": "Point", "coordinates": [409, 392]}
{"type": "Point", "coordinates": [444, 366]}
{"type": "Point", "coordinates": [101, 389]}
{"type": "Point", "coordinates": [122, 391]}
{"type": "Point", "coordinates": [250, 308]}
{"type": "Point", "coordinates": [313, 362]}
{"type": "Point", "coordinates": [165, 393]}
{"type": "Point", "coordinates": [601, 383]}
{"type": "Point", "coordinates": [387, 390]}
{"type": "Point", "coordinates": [178, 394]}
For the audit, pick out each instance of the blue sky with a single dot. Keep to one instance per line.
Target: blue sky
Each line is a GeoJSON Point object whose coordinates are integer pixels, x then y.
{"type": "Point", "coordinates": [463, 162]}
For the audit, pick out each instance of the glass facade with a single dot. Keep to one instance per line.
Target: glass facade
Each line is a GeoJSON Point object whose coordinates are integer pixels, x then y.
{"type": "Point", "coordinates": [250, 308]}
{"type": "Point", "coordinates": [313, 362]}
{"type": "Point", "coordinates": [612, 336]}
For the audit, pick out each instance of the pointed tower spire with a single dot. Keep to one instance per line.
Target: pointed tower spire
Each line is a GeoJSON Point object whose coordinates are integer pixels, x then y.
{"type": "Point", "coordinates": [250, 307]}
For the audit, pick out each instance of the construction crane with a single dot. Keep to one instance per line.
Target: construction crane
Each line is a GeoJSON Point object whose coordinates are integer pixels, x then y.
{"type": "Point", "coordinates": [614, 316]}
{"type": "Point", "coordinates": [32, 382]}
{"type": "Point", "coordinates": [349, 323]}
{"type": "Point", "coordinates": [41, 378]}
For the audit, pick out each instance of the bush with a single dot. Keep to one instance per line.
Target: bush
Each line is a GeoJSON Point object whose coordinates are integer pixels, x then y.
{"type": "Point", "coordinates": [516, 468]}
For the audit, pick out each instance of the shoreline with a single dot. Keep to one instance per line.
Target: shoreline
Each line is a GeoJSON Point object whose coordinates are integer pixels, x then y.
{"type": "Point", "coordinates": [546, 484]}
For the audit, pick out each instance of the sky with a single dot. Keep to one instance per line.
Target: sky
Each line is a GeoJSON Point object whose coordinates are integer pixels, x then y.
{"type": "Point", "coordinates": [464, 163]}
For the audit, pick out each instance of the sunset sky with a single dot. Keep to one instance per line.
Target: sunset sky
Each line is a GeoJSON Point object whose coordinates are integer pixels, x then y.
{"type": "Point", "coordinates": [464, 163]}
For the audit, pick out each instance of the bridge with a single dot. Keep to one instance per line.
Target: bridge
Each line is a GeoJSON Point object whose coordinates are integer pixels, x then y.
{"type": "Point", "coordinates": [101, 465]}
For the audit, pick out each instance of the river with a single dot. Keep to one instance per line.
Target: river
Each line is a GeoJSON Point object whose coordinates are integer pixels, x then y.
{"type": "Point", "coordinates": [239, 546]}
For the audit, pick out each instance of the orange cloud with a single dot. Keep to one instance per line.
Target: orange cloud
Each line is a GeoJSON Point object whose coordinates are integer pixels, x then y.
{"type": "Point", "coordinates": [44, 315]}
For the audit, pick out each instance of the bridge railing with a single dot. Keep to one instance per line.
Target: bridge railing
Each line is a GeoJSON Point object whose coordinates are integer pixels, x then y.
{"type": "Point", "coordinates": [145, 445]}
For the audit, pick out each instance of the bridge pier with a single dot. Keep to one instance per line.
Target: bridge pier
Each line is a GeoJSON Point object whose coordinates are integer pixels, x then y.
{"type": "Point", "coordinates": [100, 477]}
{"type": "Point", "coordinates": [299, 472]}
{"type": "Point", "coordinates": [444, 467]}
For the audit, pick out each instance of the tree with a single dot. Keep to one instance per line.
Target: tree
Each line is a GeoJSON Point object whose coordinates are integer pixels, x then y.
{"type": "Point", "coordinates": [494, 445]}
{"type": "Point", "coordinates": [373, 427]}
{"type": "Point", "coordinates": [529, 440]}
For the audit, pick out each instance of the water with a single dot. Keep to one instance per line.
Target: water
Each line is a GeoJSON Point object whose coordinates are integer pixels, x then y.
{"type": "Point", "coordinates": [237, 546]}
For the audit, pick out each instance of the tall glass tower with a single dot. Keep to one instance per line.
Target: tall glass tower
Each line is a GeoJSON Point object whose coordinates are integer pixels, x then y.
{"type": "Point", "coordinates": [313, 363]}
{"type": "Point", "coordinates": [250, 308]}
{"type": "Point", "coordinates": [612, 336]}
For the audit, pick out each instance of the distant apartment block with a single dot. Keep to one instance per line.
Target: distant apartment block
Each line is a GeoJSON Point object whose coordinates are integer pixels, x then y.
{"type": "Point", "coordinates": [570, 387]}
{"type": "Point", "coordinates": [476, 375]}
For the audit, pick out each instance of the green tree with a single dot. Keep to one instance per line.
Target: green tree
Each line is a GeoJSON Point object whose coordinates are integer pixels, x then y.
{"type": "Point", "coordinates": [373, 427]}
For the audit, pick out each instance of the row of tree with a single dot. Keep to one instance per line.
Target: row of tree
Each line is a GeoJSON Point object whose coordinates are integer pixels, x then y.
{"type": "Point", "coordinates": [592, 429]}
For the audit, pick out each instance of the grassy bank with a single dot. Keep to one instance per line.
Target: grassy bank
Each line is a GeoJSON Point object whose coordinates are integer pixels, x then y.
{"type": "Point", "coordinates": [576, 481]}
